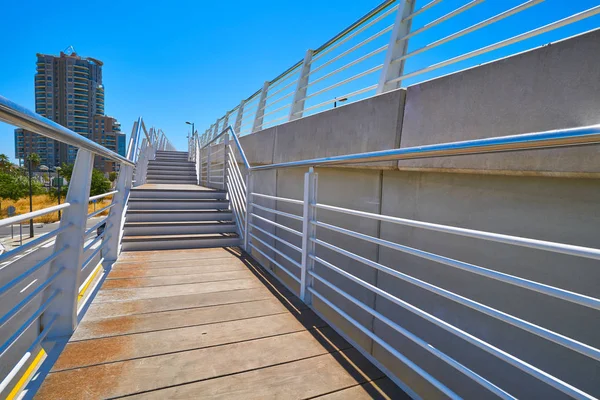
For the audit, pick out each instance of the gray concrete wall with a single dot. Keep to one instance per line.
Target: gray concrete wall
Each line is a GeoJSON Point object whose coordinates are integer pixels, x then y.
{"type": "Point", "coordinates": [549, 195]}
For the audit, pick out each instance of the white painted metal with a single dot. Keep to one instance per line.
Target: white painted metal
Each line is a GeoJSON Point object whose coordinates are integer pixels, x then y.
{"type": "Point", "coordinates": [116, 217]}
{"type": "Point", "coordinates": [74, 221]}
{"type": "Point", "coordinates": [397, 47]}
{"type": "Point", "coordinates": [260, 111]}
{"type": "Point", "coordinates": [309, 215]}
{"type": "Point", "coordinates": [300, 94]}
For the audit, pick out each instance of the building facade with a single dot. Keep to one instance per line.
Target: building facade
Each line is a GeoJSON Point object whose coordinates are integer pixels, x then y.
{"type": "Point", "coordinates": [69, 91]}
{"type": "Point", "coordinates": [107, 132]}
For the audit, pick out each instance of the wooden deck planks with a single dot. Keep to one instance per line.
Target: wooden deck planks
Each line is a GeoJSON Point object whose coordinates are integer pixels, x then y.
{"type": "Point", "coordinates": [236, 338]}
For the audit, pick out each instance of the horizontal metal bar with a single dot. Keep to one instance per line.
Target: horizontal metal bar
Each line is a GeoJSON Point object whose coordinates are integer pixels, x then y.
{"type": "Point", "coordinates": [348, 80]}
{"type": "Point", "coordinates": [108, 207]}
{"type": "Point", "coordinates": [567, 295]}
{"type": "Point", "coordinates": [441, 19]}
{"type": "Point", "coordinates": [421, 10]}
{"type": "Point", "coordinates": [15, 370]}
{"type": "Point", "coordinates": [279, 91]}
{"type": "Point", "coordinates": [515, 39]}
{"type": "Point", "coordinates": [87, 262]}
{"type": "Point", "coordinates": [100, 196]}
{"type": "Point", "coordinates": [283, 214]}
{"type": "Point", "coordinates": [355, 93]}
{"type": "Point", "coordinates": [547, 334]}
{"type": "Point", "coordinates": [418, 341]}
{"type": "Point", "coordinates": [15, 281]}
{"type": "Point", "coordinates": [276, 110]}
{"type": "Point", "coordinates": [235, 138]}
{"type": "Point", "coordinates": [424, 374]}
{"type": "Point", "coordinates": [298, 249]}
{"type": "Point", "coordinates": [34, 214]}
{"type": "Point", "coordinates": [23, 303]}
{"type": "Point", "coordinates": [586, 135]}
{"type": "Point", "coordinates": [577, 251]}
{"type": "Point", "coordinates": [359, 26]}
{"type": "Point", "coordinates": [346, 66]}
{"type": "Point", "coordinates": [37, 241]}
{"type": "Point", "coordinates": [284, 199]}
{"type": "Point", "coordinates": [285, 228]}
{"type": "Point", "coordinates": [354, 48]}
{"type": "Point", "coordinates": [282, 254]}
{"type": "Point", "coordinates": [472, 28]}
{"type": "Point", "coordinates": [281, 267]}
{"type": "Point", "coordinates": [14, 114]}
{"type": "Point", "coordinates": [38, 313]}
{"type": "Point", "coordinates": [279, 99]}
{"type": "Point", "coordinates": [94, 241]}
{"type": "Point", "coordinates": [96, 226]}
{"type": "Point", "coordinates": [481, 344]}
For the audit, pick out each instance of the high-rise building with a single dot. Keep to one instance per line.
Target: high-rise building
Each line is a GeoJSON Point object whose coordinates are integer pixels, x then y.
{"type": "Point", "coordinates": [107, 132]}
{"type": "Point", "coordinates": [69, 91]}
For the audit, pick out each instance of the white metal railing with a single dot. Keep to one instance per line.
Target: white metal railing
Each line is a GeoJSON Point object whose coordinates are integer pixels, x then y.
{"type": "Point", "coordinates": [371, 56]}
{"type": "Point", "coordinates": [294, 243]}
{"type": "Point", "coordinates": [43, 281]}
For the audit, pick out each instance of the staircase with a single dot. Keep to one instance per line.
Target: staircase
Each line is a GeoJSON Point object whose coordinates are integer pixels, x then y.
{"type": "Point", "coordinates": [172, 212]}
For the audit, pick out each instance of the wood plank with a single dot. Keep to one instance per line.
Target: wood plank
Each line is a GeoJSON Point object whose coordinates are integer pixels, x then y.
{"type": "Point", "coordinates": [120, 348]}
{"type": "Point", "coordinates": [143, 272]}
{"type": "Point", "coordinates": [380, 389]}
{"type": "Point", "coordinates": [174, 290]}
{"type": "Point", "coordinates": [176, 319]}
{"type": "Point", "coordinates": [125, 283]}
{"type": "Point", "coordinates": [214, 261]}
{"type": "Point", "coordinates": [135, 376]}
{"type": "Point", "coordinates": [296, 380]}
{"type": "Point", "coordinates": [114, 309]}
{"type": "Point", "coordinates": [186, 254]}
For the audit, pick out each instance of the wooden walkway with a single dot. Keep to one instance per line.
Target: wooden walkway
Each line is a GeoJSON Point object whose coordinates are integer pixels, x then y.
{"type": "Point", "coordinates": [206, 323]}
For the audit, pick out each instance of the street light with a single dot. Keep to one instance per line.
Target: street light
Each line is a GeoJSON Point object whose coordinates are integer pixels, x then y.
{"type": "Point", "coordinates": [192, 124]}
{"type": "Point", "coordinates": [341, 100]}
{"type": "Point", "coordinates": [58, 169]}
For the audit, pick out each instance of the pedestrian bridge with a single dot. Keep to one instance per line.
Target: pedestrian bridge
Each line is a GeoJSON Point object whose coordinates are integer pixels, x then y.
{"type": "Point", "coordinates": [432, 240]}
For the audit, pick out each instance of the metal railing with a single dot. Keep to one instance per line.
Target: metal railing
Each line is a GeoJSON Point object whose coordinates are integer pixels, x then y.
{"type": "Point", "coordinates": [288, 234]}
{"type": "Point", "coordinates": [45, 282]}
{"type": "Point", "coordinates": [385, 50]}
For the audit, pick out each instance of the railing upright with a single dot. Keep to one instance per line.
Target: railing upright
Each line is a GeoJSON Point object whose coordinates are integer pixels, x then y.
{"type": "Point", "coordinates": [225, 160]}
{"type": "Point", "coordinates": [297, 107]}
{"type": "Point", "coordinates": [309, 217]}
{"type": "Point", "coordinates": [260, 109]}
{"type": "Point", "coordinates": [67, 266]}
{"type": "Point", "coordinates": [116, 217]}
{"type": "Point", "coordinates": [239, 117]}
{"type": "Point", "coordinates": [397, 48]}
{"type": "Point", "coordinates": [249, 189]}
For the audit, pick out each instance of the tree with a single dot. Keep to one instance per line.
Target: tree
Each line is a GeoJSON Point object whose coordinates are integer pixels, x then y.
{"type": "Point", "coordinates": [35, 160]}
{"type": "Point", "coordinates": [99, 183]}
{"type": "Point", "coordinates": [5, 165]}
{"type": "Point", "coordinates": [112, 176]}
{"type": "Point", "coordinates": [12, 187]}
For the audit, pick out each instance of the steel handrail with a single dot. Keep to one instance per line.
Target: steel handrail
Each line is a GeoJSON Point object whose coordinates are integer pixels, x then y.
{"type": "Point", "coordinates": [237, 143]}
{"type": "Point", "coordinates": [14, 114]}
{"type": "Point", "coordinates": [586, 135]}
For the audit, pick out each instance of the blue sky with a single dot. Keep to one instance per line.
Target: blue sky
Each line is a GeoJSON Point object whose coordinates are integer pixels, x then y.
{"type": "Point", "coordinates": [194, 60]}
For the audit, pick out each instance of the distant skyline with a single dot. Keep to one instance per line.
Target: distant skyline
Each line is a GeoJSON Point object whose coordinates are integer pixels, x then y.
{"type": "Point", "coordinates": [196, 60]}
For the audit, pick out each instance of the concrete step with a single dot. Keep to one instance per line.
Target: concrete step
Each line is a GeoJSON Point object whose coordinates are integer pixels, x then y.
{"type": "Point", "coordinates": [177, 228]}
{"type": "Point", "coordinates": [176, 194]}
{"type": "Point", "coordinates": [177, 204]}
{"type": "Point", "coordinates": [172, 242]}
{"type": "Point", "coordinates": [171, 158]}
{"type": "Point", "coordinates": [171, 152]}
{"type": "Point", "coordinates": [178, 215]}
{"type": "Point", "coordinates": [169, 172]}
{"type": "Point", "coordinates": [173, 181]}
{"type": "Point", "coordinates": [190, 167]}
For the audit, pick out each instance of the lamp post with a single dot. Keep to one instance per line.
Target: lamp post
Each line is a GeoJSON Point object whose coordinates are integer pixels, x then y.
{"type": "Point", "coordinates": [30, 197]}
{"type": "Point", "coordinates": [341, 100]}
{"type": "Point", "coordinates": [59, 181]}
{"type": "Point", "coordinates": [192, 124]}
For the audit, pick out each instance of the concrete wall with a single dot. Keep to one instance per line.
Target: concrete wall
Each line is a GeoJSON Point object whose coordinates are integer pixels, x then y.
{"type": "Point", "coordinates": [550, 195]}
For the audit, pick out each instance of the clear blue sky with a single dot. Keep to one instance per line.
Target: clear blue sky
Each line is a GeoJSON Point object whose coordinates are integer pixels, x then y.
{"type": "Point", "coordinates": [193, 60]}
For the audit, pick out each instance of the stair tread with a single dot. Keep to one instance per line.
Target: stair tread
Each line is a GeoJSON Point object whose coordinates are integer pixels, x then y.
{"type": "Point", "coordinates": [178, 223]}
{"type": "Point", "coordinates": [201, 210]}
{"type": "Point", "coordinates": [224, 235]}
{"type": "Point", "coordinates": [150, 199]}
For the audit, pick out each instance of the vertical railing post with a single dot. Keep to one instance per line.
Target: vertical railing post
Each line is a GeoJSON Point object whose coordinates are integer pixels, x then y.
{"type": "Point", "coordinates": [198, 159]}
{"type": "Point", "coordinates": [72, 237]}
{"type": "Point", "coordinates": [308, 232]}
{"type": "Point", "coordinates": [260, 110]}
{"type": "Point", "coordinates": [209, 150]}
{"type": "Point", "coordinates": [226, 120]}
{"type": "Point", "coordinates": [249, 189]}
{"type": "Point", "coordinates": [239, 117]}
{"type": "Point", "coordinates": [116, 217]}
{"type": "Point", "coordinates": [216, 129]}
{"type": "Point", "coordinates": [397, 48]}
{"type": "Point", "coordinates": [225, 159]}
{"type": "Point", "coordinates": [297, 108]}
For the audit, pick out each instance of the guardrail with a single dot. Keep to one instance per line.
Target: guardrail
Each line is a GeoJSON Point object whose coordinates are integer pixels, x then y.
{"type": "Point", "coordinates": [296, 245]}
{"type": "Point", "coordinates": [44, 283]}
{"type": "Point", "coordinates": [370, 56]}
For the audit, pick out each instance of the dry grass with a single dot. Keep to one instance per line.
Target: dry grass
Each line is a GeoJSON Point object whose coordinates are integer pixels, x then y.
{"type": "Point", "coordinates": [45, 201]}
